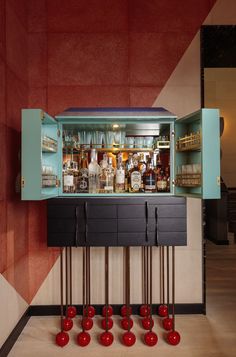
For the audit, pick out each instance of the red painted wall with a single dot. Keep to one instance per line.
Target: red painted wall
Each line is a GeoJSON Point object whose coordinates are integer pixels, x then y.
{"type": "Point", "coordinates": [60, 53]}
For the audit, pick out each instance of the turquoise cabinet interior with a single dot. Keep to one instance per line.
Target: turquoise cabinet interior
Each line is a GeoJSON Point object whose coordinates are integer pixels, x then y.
{"type": "Point", "coordinates": [42, 165]}
{"type": "Point", "coordinates": [199, 160]}
{"type": "Point", "coordinates": [36, 157]}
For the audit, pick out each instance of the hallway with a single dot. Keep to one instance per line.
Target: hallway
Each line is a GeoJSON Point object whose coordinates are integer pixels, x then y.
{"type": "Point", "coordinates": [202, 336]}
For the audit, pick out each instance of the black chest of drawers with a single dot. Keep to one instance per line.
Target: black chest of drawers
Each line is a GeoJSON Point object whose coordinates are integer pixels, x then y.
{"type": "Point", "coordinates": [121, 221]}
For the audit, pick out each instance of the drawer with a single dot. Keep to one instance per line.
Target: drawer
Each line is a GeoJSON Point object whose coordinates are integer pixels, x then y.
{"type": "Point", "coordinates": [172, 238]}
{"type": "Point", "coordinates": [172, 225]}
{"type": "Point", "coordinates": [136, 239]}
{"type": "Point", "coordinates": [101, 240]}
{"type": "Point", "coordinates": [56, 225]}
{"type": "Point", "coordinates": [167, 211]}
{"type": "Point", "coordinates": [96, 211]}
{"type": "Point", "coordinates": [61, 240]}
{"type": "Point", "coordinates": [131, 211]}
{"type": "Point", "coordinates": [61, 211]}
{"type": "Point", "coordinates": [136, 225]}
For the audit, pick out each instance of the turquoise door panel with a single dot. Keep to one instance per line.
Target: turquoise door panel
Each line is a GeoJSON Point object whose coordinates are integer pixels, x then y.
{"type": "Point", "coordinates": [199, 163]}
{"type": "Point", "coordinates": [38, 158]}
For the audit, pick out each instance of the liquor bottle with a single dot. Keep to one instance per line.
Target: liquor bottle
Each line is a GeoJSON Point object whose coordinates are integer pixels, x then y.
{"type": "Point", "coordinates": [120, 175]}
{"type": "Point", "coordinates": [83, 181]}
{"type": "Point", "coordinates": [102, 175]}
{"type": "Point", "coordinates": [149, 177]}
{"type": "Point", "coordinates": [68, 177]}
{"type": "Point", "coordinates": [161, 182]}
{"type": "Point", "coordinates": [135, 178]}
{"type": "Point", "coordinates": [142, 166]}
{"type": "Point", "coordinates": [128, 166]}
{"type": "Point", "coordinates": [94, 170]}
{"type": "Point", "coordinates": [167, 174]}
{"type": "Point", "coordinates": [109, 172]}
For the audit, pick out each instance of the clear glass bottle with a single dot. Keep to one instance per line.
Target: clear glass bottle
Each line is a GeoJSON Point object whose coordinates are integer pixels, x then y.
{"type": "Point", "coordinates": [94, 171]}
{"type": "Point", "coordinates": [102, 175]}
{"type": "Point", "coordinates": [83, 180]}
{"type": "Point", "coordinates": [68, 177]}
{"type": "Point", "coordinates": [149, 177]}
{"type": "Point", "coordinates": [129, 164]}
{"type": "Point", "coordinates": [110, 173]}
{"type": "Point", "coordinates": [161, 182]}
{"type": "Point", "coordinates": [142, 166]}
{"type": "Point", "coordinates": [120, 175]}
{"type": "Point", "coordinates": [135, 178]}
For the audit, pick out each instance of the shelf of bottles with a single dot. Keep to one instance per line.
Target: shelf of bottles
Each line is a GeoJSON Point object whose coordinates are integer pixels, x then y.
{"type": "Point", "coordinates": [189, 142]}
{"type": "Point", "coordinates": [133, 165]}
{"type": "Point", "coordinates": [49, 144]}
{"type": "Point", "coordinates": [49, 179]}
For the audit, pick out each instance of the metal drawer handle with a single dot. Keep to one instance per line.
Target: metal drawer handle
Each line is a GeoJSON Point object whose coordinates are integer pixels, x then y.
{"type": "Point", "coordinates": [146, 216]}
{"type": "Point", "coordinates": [76, 227]}
{"type": "Point", "coordinates": [156, 218]}
{"type": "Point", "coordinates": [86, 220]}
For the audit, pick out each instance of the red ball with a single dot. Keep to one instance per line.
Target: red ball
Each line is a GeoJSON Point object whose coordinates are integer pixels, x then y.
{"type": "Point", "coordinates": [109, 310]}
{"type": "Point", "coordinates": [71, 311]}
{"type": "Point", "coordinates": [126, 323]}
{"type": "Point", "coordinates": [129, 339]}
{"type": "Point", "coordinates": [150, 338]}
{"type": "Point", "coordinates": [106, 338]}
{"type": "Point", "coordinates": [163, 310]}
{"type": "Point", "coordinates": [67, 324]}
{"type": "Point", "coordinates": [125, 310]}
{"type": "Point", "coordinates": [107, 325]}
{"type": "Point", "coordinates": [62, 338]}
{"type": "Point", "coordinates": [173, 338]}
{"type": "Point", "coordinates": [147, 323]}
{"type": "Point", "coordinates": [87, 323]}
{"type": "Point", "coordinates": [89, 311]}
{"type": "Point", "coordinates": [144, 310]}
{"type": "Point", "coordinates": [167, 323]}
{"type": "Point", "coordinates": [83, 339]}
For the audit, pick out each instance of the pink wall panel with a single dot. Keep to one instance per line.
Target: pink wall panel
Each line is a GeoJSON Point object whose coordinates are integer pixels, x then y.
{"type": "Point", "coordinates": [2, 28]}
{"type": "Point", "coordinates": [61, 97]}
{"type": "Point", "coordinates": [87, 16]}
{"type": "Point", "coordinates": [16, 45]}
{"type": "Point", "coordinates": [153, 56]}
{"type": "Point", "coordinates": [164, 16]}
{"type": "Point", "coordinates": [88, 59]}
{"type": "Point", "coordinates": [37, 59]}
{"type": "Point", "coordinates": [37, 19]}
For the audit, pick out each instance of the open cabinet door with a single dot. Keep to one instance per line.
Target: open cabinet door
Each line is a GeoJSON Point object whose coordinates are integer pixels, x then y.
{"type": "Point", "coordinates": [39, 156]}
{"type": "Point", "coordinates": [197, 155]}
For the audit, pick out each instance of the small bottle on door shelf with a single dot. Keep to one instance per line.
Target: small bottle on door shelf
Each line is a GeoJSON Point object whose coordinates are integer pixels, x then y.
{"type": "Point", "coordinates": [120, 175]}
{"type": "Point", "coordinates": [83, 180]}
{"type": "Point", "coordinates": [135, 178]}
{"type": "Point", "coordinates": [94, 171]}
{"type": "Point", "coordinates": [149, 177]}
{"type": "Point", "coordinates": [109, 172]}
{"type": "Point", "coordinates": [161, 182]}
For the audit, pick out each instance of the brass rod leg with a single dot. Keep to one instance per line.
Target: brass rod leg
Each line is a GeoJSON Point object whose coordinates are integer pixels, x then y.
{"type": "Point", "coordinates": [173, 286]}
{"type": "Point", "coordinates": [61, 286]}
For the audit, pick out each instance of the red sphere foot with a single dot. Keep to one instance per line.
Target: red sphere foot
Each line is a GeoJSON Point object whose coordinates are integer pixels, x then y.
{"type": "Point", "coordinates": [129, 339]}
{"type": "Point", "coordinates": [147, 323]}
{"type": "Point", "coordinates": [167, 323]}
{"type": "Point", "coordinates": [126, 323]}
{"type": "Point", "coordinates": [107, 325]}
{"type": "Point", "coordinates": [106, 339]}
{"type": "Point", "coordinates": [173, 338]}
{"type": "Point", "coordinates": [163, 310]}
{"type": "Point", "coordinates": [83, 339]}
{"type": "Point", "coordinates": [62, 338]}
{"type": "Point", "coordinates": [89, 311]}
{"type": "Point", "coordinates": [109, 310]}
{"type": "Point", "coordinates": [125, 310]}
{"type": "Point", "coordinates": [67, 324]}
{"type": "Point", "coordinates": [87, 323]}
{"type": "Point", "coordinates": [71, 311]}
{"type": "Point", "coordinates": [150, 338]}
{"type": "Point", "coordinates": [144, 310]}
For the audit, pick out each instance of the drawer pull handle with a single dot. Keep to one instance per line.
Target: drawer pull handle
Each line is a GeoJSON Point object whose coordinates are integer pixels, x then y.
{"type": "Point", "coordinates": [76, 227]}
{"type": "Point", "coordinates": [86, 220]}
{"type": "Point", "coordinates": [146, 215]}
{"type": "Point", "coordinates": [156, 218]}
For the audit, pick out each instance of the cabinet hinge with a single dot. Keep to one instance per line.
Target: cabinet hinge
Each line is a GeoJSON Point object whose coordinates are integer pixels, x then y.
{"type": "Point", "coordinates": [42, 115]}
{"type": "Point", "coordinates": [173, 133]}
{"type": "Point", "coordinates": [58, 132]}
{"type": "Point", "coordinates": [173, 182]}
{"type": "Point", "coordinates": [22, 182]}
{"type": "Point", "coordinates": [218, 180]}
{"type": "Point", "coordinates": [58, 183]}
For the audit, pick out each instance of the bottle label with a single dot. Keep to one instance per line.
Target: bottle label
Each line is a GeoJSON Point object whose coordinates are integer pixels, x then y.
{"type": "Point", "coordinates": [68, 180]}
{"type": "Point", "coordinates": [108, 188]}
{"type": "Point", "coordinates": [120, 176]}
{"type": "Point", "coordinates": [161, 185]}
{"type": "Point", "coordinates": [135, 180]}
{"type": "Point", "coordinates": [150, 183]}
